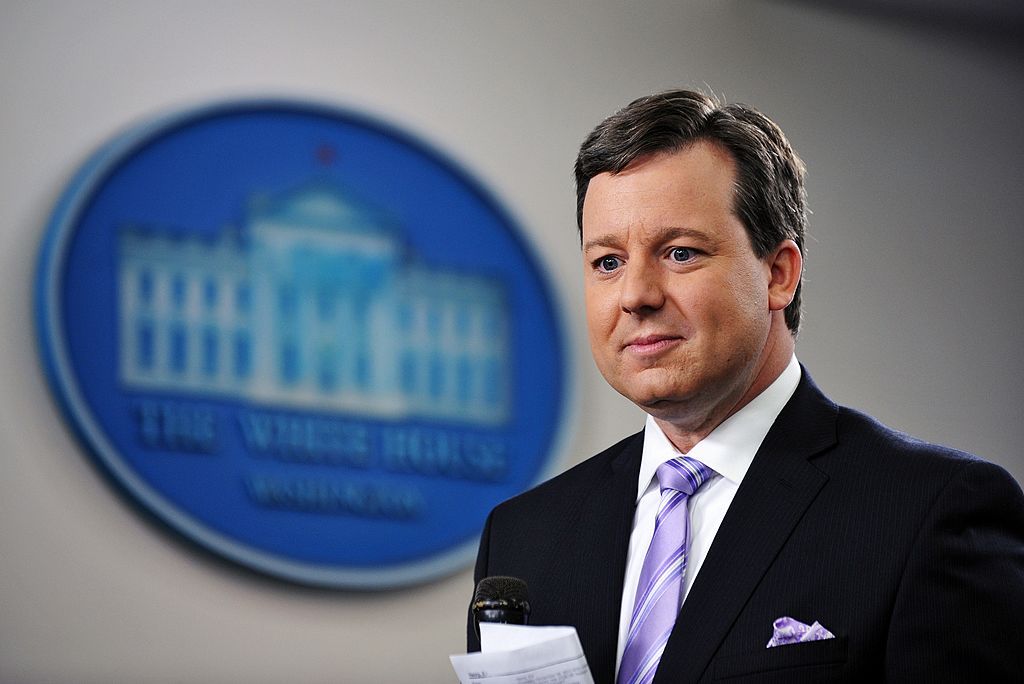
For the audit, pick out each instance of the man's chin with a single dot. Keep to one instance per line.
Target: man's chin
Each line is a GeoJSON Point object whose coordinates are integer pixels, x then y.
{"type": "Point", "coordinates": [656, 404]}
{"type": "Point", "coordinates": [661, 401]}
{"type": "Point", "coordinates": [656, 390]}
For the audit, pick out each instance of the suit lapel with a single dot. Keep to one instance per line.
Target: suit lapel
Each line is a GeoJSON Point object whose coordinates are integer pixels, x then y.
{"type": "Point", "coordinates": [597, 542]}
{"type": "Point", "coordinates": [781, 481]}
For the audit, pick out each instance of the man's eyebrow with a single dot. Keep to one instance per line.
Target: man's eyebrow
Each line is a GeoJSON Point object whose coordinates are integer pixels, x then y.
{"type": "Point", "coordinates": [675, 232]}
{"type": "Point", "coordinates": [666, 234]}
{"type": "Point", "coordinates": [608, 241]}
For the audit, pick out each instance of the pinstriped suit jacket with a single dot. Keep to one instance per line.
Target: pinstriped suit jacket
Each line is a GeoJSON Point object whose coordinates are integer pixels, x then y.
{"type": "Point", "coordinates": [910, 553]}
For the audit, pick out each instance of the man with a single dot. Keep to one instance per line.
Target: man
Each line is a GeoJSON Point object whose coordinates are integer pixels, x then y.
{"type": "Point", "coordinates": [777, 509]}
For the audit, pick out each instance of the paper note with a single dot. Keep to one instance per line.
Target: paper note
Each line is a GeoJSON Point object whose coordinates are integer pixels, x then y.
{"type": "Point", "coordinates": [521, 654]}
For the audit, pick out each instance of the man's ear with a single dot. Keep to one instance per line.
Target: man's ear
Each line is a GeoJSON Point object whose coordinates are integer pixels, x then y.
{"type": "Point", "coordinates": [786, 265]}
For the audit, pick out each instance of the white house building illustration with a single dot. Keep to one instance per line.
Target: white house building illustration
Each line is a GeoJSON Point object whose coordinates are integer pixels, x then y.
{"type": "Point", "coordinates": [314, 303]}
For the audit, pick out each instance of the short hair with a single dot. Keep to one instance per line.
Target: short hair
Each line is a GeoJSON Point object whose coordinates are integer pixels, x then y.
{"type": "Point", "coordinates": [770, 198]}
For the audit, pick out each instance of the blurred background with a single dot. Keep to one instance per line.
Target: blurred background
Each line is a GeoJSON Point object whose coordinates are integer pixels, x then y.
{"type": "Point", "coordinates": [907, 114]}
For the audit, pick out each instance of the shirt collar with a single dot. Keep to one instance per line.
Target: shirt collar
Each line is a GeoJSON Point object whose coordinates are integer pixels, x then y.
{"type": "Point", "coordinates": [729, 448]}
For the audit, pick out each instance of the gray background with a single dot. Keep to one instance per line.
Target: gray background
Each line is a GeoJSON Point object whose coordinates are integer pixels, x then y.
{"type": "Point", "coordinates": [909, 124]}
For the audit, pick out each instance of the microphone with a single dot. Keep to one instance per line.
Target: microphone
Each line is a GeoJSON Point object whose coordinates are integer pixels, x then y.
{"type": "Point", "coordinates": [501, 599]}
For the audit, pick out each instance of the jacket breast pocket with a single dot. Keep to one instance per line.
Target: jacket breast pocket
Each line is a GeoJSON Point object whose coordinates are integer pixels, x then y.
{"type": "Point", "coordinates": [811, 661]}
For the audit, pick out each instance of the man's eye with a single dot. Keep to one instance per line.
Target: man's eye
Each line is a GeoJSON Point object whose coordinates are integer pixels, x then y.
{"type": "Point", "coordinates": [682, 254]}
{"type": "Point", "coordinates": [608, 263]}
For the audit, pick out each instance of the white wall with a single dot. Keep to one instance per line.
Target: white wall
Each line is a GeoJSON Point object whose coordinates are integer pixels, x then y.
{"type": "Point", "coordinates": [914, 307]}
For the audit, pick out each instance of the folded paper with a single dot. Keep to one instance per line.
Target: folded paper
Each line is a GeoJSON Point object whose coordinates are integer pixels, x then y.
{"type": "Point", "coordinates": [524, 654]}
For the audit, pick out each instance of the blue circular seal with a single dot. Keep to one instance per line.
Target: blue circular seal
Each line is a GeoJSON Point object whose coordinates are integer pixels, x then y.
{"type": "Point", "coordinates": [303, 339]}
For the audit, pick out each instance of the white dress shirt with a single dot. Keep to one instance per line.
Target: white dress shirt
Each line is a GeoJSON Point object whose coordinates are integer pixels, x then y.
{"type": "Point", "coordinates": [728, 450]}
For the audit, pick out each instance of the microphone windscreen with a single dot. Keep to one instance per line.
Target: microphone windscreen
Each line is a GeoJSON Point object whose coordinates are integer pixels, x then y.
{"type": "Point", "coordinates": [500, 588]}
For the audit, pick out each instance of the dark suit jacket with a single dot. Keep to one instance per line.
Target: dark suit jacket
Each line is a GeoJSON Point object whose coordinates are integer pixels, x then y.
{"type": "Point", "coordinates": [910, 553]}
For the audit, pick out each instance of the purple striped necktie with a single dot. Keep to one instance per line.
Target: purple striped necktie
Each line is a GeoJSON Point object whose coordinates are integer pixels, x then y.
{"type": "Point", "coordinates": [658, 593]}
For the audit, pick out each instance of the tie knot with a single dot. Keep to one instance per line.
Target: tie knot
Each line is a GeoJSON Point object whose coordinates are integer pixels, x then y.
{"type": "Point", "coordinates": [683, 474]}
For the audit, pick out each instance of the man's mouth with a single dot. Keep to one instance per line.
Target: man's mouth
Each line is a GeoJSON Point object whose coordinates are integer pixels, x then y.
{"type": "Point", "coordinates": [651, 344]}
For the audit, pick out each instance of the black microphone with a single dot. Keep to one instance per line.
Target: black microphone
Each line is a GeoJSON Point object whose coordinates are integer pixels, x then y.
{"type": "Point", "coordinates": [501, 599]}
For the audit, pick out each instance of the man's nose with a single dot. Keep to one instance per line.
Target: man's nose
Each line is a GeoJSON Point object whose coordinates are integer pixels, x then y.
{"type": "Point", "coordinates": [641, 287]}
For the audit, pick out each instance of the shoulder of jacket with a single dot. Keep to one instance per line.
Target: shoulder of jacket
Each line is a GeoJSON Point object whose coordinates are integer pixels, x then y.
{"type": "Point", "coordinates": [611, 462]}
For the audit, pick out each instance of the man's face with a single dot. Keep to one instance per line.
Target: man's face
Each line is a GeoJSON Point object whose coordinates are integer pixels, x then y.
{"type": "Point", "coordinates": [677, 302]}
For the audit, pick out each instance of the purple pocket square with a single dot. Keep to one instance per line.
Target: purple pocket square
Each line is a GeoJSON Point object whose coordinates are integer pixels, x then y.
{"type": "Point", "coordinates": [786, 630]}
